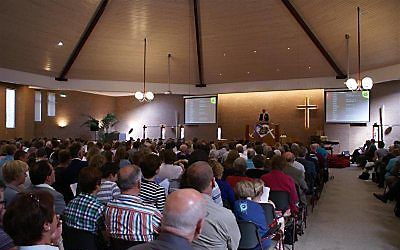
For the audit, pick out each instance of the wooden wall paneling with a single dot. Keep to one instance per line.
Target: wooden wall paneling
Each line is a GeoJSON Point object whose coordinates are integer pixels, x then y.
{"type": "Point", "coordinates": [231, 31]}
{"type": "Point", "coordinates": [31, 30]}
{"type": "Point", "coordinates": [380, 34]}
{"type": "Point", "coordinates": [237, 110]}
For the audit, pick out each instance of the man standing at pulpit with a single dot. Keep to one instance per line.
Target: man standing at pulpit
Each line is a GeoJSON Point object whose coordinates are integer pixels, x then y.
{"type": "Point", "coordinates": [264, 117]}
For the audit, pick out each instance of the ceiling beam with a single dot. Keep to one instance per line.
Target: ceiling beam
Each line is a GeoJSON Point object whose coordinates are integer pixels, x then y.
{"type": "Point", "coordinates": [85, 35]}
{"type": "Point", "coordinates": [314, 39]}
{"type": "Point", "coordinates": [199, 44]}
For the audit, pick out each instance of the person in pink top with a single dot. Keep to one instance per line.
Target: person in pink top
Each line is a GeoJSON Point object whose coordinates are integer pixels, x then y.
{"type": "Point", "coordinates": [276, 180]}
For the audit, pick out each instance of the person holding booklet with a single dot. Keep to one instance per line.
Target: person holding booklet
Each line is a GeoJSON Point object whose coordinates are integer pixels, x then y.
{"type": "Point", "coordinates": [247, 207]}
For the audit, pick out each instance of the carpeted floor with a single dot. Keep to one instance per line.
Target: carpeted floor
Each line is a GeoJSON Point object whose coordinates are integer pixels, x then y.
{"type": "Point", "coordinates": [349, 217]}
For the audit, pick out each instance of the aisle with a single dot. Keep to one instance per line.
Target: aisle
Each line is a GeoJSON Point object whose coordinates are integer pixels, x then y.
{"type": "Point", "coordinates": [348, 217]}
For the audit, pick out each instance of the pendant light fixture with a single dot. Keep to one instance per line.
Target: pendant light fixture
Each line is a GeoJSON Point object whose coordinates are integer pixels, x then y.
{"type": "Point", "coordinates": [145, 96]}
{"type": "Point", "coordinates": [350, 83]}
{"type": "Point", "coordinates": [169, 75]}
{"type": "Point", "coordinates": [358, 84]}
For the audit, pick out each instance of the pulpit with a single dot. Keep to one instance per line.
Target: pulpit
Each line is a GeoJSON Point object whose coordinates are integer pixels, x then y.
{"type": "Point", "coordinates": [271, 135]}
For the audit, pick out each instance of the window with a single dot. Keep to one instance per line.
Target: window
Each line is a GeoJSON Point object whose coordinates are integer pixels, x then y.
{"type": "Point", "coordinates": [38, 106]}
{"type": "Point", "coordinates": [10, 108]}
{"type": "Point", "coordinates": [219, 134]}
{"type": "Point", "coordinates": [163, 131]}
{"type": "Point", "coordinates": [51, 104]}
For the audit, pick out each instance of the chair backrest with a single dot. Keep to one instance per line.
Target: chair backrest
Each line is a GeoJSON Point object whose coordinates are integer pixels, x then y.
{"type": "Point", "coordinates": [250, 237]}
{"type": "Point", "coordinates": [269, 212]}
{"type": "Point", "coordinates": [118, 244]}
{"type": "Point", "coordinates": [74, 239]}
{"type": "Point", "coordinates": [281, 199]}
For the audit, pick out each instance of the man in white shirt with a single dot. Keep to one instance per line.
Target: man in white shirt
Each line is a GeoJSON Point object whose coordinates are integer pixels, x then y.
{"type": "Point", "coordinates": [220, 230]}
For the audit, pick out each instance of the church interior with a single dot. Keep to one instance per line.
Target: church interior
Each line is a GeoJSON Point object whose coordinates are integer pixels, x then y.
{"type": "Point", "coordinates": [251, 73]}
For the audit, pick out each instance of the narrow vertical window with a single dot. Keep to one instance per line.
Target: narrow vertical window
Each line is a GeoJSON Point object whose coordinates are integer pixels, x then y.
{"type": "Point", "coordinates": [10, 108]}
{"type": "Point", "coordinates": [38, 106]}
{"type": "Point", "coordinates": [51, 104]}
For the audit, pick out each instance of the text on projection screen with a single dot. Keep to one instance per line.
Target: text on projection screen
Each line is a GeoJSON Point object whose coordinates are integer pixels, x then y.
{"type": "Point", "coordinates": [200, 110]}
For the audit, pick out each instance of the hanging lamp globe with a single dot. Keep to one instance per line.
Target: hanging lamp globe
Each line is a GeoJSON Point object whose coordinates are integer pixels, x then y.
{"type": "Point", "coordinates": [352, 84]}
{"type": "Point", "coordinates": [149, 96]}
{"type": "Point", "coordinates": [139, 95]}
{"type": "Point", "coordinates": [367, 83]}
{"type": "Point", "coordinates": [357, 84]}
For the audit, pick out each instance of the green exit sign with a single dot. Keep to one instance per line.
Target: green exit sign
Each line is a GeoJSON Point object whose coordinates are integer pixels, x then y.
{"type": "Point", "coordinates": [365, 94]}
{"type": "Point", "coordinates": [213, 100]}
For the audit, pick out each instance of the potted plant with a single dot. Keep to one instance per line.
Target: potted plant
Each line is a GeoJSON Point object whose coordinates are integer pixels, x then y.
{"type": "Point", "coordinates": [106, 124]}
{"type": "Point", "coordinates": [92, 123]}
{"type": "Point", "coordinates": [108, 121]}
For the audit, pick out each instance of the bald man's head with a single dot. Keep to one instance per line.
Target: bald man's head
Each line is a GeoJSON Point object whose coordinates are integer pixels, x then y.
{"type": "Point", "coordinates": [199, 176]}
{"type": "Point", "coordinates": [184, 213]}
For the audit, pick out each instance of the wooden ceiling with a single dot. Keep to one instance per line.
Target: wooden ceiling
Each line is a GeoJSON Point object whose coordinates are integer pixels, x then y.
{"type": "Point", "coordinates": [243, 41]}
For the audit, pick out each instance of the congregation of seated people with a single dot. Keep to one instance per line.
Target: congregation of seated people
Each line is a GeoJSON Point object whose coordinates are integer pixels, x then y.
{"type": "Point", "coordinates": [155, 194]}
{"type": "Point", "coordinates": [383, 166]}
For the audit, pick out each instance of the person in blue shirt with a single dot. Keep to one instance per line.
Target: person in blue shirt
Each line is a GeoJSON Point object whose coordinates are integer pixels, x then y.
{"type": "Point", "coordinates": [391, 176]}
{"type": "Point", "coordinates": [322, 151]}
{"type": "Point", "coordinates": [392, 162]}
{"type": "Point", "coordinates": [227, 194]}
{"type": "Point", "coordinates": [246, 209]}
{"type": "Point", "coordinates": [250, 155]}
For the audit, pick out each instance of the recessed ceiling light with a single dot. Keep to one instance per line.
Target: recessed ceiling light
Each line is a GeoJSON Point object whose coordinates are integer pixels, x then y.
{"type": "Point", "coordinates": [248, 72]}
{"type": "Point", "coordinates": [288, 48]}
{"type": "Point", "coordinates": [224, 54]}
{"type": "Point", "coordinates": [60, 43]}
{"type": "Point", "coordinates": [63, 95]}
{"type": "Point", "coordinates": [309, 67]}
{"type": "Point", "coordinates": [254, 51]}
{"type": "Point", "coordinates": [220, 74]}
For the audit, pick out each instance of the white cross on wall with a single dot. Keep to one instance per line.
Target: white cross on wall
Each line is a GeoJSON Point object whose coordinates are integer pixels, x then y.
{"type": "Point", "coordinates": [307, 107]}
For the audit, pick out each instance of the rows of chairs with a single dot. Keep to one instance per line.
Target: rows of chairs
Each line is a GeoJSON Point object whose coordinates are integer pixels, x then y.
{"type": "Point", "coordinates": [75, 239]}
{"type": "Point", "coordinates": [293, 224]}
